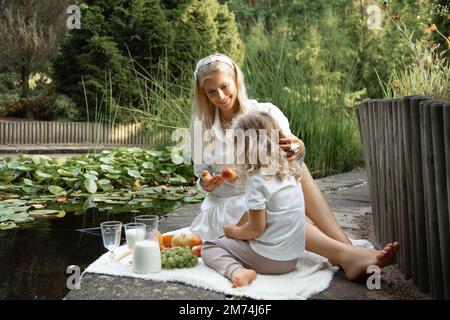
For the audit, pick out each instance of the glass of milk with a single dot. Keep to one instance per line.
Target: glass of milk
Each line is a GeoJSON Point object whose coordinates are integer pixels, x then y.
{"type": "Point", "coordinates": [146, 257]}
{"type": "Point", "coordinates": [151, 223]}
{"type": "Point", "coordinates": [134, 232]}
{"type": "Point", "coordinates": [146, 253]}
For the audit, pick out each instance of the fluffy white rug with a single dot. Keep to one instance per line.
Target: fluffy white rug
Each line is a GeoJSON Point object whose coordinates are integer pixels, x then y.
{"type": "Point", "coordinates": [313, 275]}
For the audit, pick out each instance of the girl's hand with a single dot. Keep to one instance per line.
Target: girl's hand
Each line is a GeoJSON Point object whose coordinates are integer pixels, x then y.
{"type": "Point", "coordinates": [210, 183]}
{"type": "Point", "coordinates": [285, 144]}
{"type": "Point", "coordinates": [228, 230]}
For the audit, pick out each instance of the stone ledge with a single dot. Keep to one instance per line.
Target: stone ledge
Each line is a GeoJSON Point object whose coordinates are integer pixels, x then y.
{"type": "Point", "coordinates": [355, 216]}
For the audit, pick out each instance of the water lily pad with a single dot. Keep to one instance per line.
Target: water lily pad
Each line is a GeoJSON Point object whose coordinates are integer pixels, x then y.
{"type": "Point", "coordinates": [105, 184]}
{"type": "Point", "coordinates": [148, 165]}
{"type": "Point", "coordinates": [178, 179]}
{"type": "Point", "coordinates": [13, 165]}
{"type": "Point", "coordinates": [135, 150]}
{"type": "Point", "coordinates": [56, 190]}
{"type": "Point", "coordinates": [60, 214]}
{"type": "Point", "coordinates": [28, 182]}
{"type": "Point", "coordinates": [106, 160]}
{"type": "Point", "coordinates": [177, 159]}
{"type": "Point", "coordinates": [135, 174]}
{"type": "Point", "coordinates": [24, 168]}
{"type": "Point", "coordinates": [39, 159]}
{"type": "Point", "coordinates": [65, 173]}
{"type": "Point", "coordinates": [114, 202]}
{"type": "Point", "coordinates": [173, 197]}
{"type": "Point", "coordinates": [4, 214]}
{"type": "Point", "coordinates": [20, 217]}
{"type": "Point", "coordinates": [191, 199]}
{"type": "Point", "coordinates": [19, 209]}
{"type": "Point", "coordinates": [90, 185]}
{"type": "Point", "coordinates": [44, 175]}
{"type": "Point", "coordinates": [31, 189]}
{"type": "Point", "coordinates": [90, 176]}
{"type": "Point", "coordinates": [42, 212]}
{"type": "Point", "coordinates": [7, 225]}
{"type": "Point", "coordinates": [16, 202]}
{"type": "Point", "coordinates": [106, 167]}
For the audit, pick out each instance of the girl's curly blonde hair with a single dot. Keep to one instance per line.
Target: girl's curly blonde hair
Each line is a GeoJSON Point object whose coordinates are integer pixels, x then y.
{"type": "Point", "coordinates": [261, 142]}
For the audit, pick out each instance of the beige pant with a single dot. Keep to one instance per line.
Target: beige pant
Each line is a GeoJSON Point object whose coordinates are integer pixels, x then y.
{"type": "Point", "coordinates": [226, 255]}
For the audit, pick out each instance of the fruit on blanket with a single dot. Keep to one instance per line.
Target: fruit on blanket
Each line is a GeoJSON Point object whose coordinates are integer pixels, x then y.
{"type": "Point", "coordinates": [178, 239]}
{"type": "Point", "coordinates": [192, 240]}
{"type": "Point", "coordinates": [197, 250]}
{"type": "Point", "coordinates": [167, 240]}
{"type": "Point", "coordinates": [178, 257]}
{"type": "Point", "coordinates": [185, 240]}
{"type": "Point", "coordinates": [229, 174]}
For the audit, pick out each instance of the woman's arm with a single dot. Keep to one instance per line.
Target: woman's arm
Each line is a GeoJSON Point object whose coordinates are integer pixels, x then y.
{"type": "Point", "coordinates": [252, 229]}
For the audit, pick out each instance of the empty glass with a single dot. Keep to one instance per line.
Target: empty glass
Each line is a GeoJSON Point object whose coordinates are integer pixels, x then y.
{"type": "Point", "coordinates": [134, 232]}
{"type": "Point", "coordinates": [151, 223]}
{"type": "Point", "coordinates": [111, 233]}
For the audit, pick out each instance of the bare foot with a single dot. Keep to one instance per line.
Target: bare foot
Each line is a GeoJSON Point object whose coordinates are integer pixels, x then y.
{"type": "Point", "coordinates": [357, 260]}
{"type": "Point", "coordinates": [242, 277]}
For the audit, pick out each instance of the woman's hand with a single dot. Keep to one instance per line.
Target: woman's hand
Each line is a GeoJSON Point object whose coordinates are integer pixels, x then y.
{"type": "Point", "coordinates": [210, 183]}
{"type": "Point", "coordinates": [285, 144]}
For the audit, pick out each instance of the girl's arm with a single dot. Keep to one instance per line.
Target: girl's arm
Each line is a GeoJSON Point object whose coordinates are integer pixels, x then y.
{"type": "Point", "coordinates": [252, 229]}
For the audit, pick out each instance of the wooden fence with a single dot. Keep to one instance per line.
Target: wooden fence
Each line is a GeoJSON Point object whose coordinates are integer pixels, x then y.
{"type": "Point", "coordinates": [41, 132]}
{"type": "Point", "coordinates": [406, 145]}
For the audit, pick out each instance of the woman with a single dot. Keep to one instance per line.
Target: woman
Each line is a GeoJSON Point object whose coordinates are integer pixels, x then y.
{"type": "Point", "coordinates": [219, 96]}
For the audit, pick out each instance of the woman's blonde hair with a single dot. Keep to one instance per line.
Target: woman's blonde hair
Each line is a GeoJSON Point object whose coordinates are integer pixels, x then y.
{"type": "Point", "coordinates": [262, 146]}
{"type": "Point", "coordinates": [202, 108]}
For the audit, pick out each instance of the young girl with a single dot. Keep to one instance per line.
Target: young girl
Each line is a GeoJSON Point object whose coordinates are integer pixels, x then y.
{"type": "Point", "coordinates": [270, 237]}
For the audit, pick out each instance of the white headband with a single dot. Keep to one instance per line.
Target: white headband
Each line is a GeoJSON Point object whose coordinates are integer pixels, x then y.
{"type": "Point", "coordinates": [213, 58]}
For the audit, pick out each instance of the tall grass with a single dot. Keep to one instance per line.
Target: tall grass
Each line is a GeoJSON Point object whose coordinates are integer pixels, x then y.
{"type": "Point", "coordinates": [313, 94]}
{"type": "Point", "coordinates": [428, 74]}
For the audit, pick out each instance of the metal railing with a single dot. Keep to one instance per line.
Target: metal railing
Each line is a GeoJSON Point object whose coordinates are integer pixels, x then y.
{"type": "Point", "coordinates": [406, 145]}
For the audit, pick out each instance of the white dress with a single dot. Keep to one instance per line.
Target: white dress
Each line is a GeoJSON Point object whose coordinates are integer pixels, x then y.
{"type": "Point", "coordinates": [226, 204]}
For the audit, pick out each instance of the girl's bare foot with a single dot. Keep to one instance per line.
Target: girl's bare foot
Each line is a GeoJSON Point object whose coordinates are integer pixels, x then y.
{"type": "Point", "coordinates": [242, 277]}
{"type": "Point", "coordinates": [357, 260]}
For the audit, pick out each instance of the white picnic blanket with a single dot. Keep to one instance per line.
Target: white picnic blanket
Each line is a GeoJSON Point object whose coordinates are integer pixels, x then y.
{"type": "Point", "coordinates": [313, 275]}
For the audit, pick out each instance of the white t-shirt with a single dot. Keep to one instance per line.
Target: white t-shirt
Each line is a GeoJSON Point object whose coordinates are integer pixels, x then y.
{"type": "Point", "coordinates": [284, 236]}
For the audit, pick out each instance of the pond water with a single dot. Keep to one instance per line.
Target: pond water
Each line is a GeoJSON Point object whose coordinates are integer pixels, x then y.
{"type": "Point", "coordinates": [34, 257]}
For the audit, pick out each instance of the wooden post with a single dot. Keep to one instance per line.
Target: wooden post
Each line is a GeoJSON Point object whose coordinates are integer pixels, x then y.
{"type": "Point", "coordinates": [437, 132]}
{"type": "Point", "coordinates": [437, 289]}
{"type": "Point", "coordinates": [419, 215]}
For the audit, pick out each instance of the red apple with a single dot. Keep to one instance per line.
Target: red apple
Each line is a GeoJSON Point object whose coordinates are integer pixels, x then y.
{"type": "Point", "coordinates": [229, 174]}
{"type": "Point", "coordinates": [197, 250]}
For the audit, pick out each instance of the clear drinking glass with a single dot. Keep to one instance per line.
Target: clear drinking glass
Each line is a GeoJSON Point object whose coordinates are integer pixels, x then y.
{"type": "Point", "coordinates": [151, 223]}
{"type": "Point", "coordinates": [134, 232]}
{"type": "Point", "coordinates": [111, 233]}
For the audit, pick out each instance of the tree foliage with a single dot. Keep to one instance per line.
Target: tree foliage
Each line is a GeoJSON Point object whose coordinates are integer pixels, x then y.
{"type": "Point", "coordinates": [157, 38]}
{"type": "Point", "coordinates": [30, 32]}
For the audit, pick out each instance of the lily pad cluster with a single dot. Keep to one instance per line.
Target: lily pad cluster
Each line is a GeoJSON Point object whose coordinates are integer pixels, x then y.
{"type": "Point", "coordinates": [123, 176]}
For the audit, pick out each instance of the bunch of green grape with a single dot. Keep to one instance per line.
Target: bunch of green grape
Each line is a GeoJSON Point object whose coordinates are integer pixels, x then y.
{"type": "Point", "coordinates": [178, 257]}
